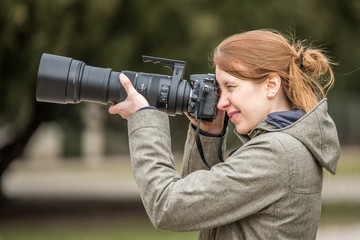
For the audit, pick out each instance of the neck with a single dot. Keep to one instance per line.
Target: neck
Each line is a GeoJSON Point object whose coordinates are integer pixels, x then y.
{"type": "Point", "coordinates": [281, 103]}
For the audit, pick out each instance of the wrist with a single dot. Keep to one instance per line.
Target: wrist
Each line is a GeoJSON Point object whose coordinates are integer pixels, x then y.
{"type": "Point", "coordinates": [147, 107]}
{"type": "Point", "coordinates": [209, 133]}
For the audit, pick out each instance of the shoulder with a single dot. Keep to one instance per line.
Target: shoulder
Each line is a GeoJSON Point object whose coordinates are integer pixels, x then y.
{"type": "Point", "coordinates": [293, 158]}
{"type": "Point", "coordinates": [271, 151]}
{"type": "Point", "coordinates": [277, 146]}
{"type": "Point", "coordinates": [267, 151]}
{"type": "Point", "coordinates": [274, 142]}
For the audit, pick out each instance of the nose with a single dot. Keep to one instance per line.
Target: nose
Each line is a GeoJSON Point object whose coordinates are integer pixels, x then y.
{"type": "Point", "coordinates": [223, 102]}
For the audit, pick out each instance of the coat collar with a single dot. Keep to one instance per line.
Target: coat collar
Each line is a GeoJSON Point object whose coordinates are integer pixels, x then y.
{"type": "Point", "coordinates": [265, 126]}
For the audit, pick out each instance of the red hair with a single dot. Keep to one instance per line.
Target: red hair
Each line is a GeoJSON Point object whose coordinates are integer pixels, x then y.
{"type": "Point", "coordinates": [305, 73]}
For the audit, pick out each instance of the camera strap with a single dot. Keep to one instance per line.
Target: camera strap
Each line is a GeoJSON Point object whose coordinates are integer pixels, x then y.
{"type": "Point", "coordinates": [226, 121]}
{"type": "Point", "coordinates": [197, 135]}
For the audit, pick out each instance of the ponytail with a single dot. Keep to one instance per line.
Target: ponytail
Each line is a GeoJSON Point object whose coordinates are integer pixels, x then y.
{"type": "Point", "coordinates": [310, 78]}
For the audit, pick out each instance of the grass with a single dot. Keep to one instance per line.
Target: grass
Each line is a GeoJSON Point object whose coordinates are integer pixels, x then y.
{"type": "Point", "coordinates": [105, 234]}
{"type": "Point", "coordinates": [132, 227]}
{"type": "Point", "coordinates": [340, 213]}
{"type": "Point", "coordinates": [87, 227]}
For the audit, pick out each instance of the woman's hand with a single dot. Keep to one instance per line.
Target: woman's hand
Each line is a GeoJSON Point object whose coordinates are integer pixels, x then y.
{"type": "Point", "coordinates": [132, 103]}
{"type": "Point", "coordinates": [214, 127]}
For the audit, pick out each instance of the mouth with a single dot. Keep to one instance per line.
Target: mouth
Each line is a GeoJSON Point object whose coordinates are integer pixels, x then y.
{"type": "Point", "coordinates": [233, 115]}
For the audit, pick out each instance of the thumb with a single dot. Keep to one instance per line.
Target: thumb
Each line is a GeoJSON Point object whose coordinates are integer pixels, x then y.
{"type": "Point", "coordinates": [126, 83]}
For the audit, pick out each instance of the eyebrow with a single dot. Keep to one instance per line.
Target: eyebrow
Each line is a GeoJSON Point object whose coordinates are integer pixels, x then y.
{"type": "Point", "coordinates": [229, 82]}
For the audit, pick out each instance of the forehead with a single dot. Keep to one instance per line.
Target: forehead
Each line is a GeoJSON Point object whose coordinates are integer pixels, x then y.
{"type": "Point", "coordinates": [223, 77]}
{"type": "Point", "coordinates": [224, 80]}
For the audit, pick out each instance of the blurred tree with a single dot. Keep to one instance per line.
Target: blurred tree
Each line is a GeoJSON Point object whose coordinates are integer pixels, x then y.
{"type": "Point", "coordinates": [115, 33]}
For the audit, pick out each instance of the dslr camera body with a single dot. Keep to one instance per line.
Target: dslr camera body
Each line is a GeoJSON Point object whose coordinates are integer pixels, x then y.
{"type": "Point", "coordinates": [66, 80]}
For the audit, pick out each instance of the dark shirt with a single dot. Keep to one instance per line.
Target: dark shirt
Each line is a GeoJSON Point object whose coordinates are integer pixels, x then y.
{"type": "Point", "coordinates": [285, 118]}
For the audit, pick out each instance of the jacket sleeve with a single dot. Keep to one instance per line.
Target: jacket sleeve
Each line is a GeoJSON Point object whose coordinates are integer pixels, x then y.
{"type": "Point", "coordinates": [245, 183]}
{"type": "Point", "coordinates": [192, 160]}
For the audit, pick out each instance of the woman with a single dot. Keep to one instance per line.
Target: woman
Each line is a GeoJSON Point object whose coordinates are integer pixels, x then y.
{"type": "Point", "coordinates": [270, 188]}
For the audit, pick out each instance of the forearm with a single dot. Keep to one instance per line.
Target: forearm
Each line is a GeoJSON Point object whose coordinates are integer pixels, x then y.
{"type": "Point", "coordinates": [163, 192]}
{"type": "Point", "coordinates": [151, 158]}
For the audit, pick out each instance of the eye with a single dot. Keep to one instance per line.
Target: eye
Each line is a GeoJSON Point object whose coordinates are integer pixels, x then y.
{"type": "Point", "coordinates": [230, 87]}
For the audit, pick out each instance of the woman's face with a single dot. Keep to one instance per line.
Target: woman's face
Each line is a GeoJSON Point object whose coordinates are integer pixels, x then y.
{"type": "Point", "coordinates": [244, 101]}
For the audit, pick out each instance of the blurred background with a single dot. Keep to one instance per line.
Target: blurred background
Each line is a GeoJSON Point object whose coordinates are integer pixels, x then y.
{"type": "Point", "coordinates": [64, 169]}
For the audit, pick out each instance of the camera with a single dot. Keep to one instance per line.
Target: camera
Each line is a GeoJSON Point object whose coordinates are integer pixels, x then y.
{"type": "Point", "coordinates": [66, 80]}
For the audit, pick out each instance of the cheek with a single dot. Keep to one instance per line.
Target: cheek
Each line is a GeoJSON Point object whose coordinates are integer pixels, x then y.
{"type": "Point", "coordinates": [247, 100]}
{"type": "Point", "coordinates": [248, 120]}
{"type": "Point", "coordinates": [253, 109]}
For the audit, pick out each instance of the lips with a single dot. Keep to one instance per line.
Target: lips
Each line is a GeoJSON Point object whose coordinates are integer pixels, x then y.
{"type": "Point", "coordinates": [233, 115]}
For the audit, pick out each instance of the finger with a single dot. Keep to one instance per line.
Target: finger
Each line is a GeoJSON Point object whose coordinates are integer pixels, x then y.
{"type": "Point", "coordinates": [188, 115]}
{"type": "Point", "coordinates": [114, 109]}
{"type": "Point", "coordinates": [220, 114]}
{"type": "Point", "coordinates": [191, 118]}
{"type": "Point", "coordinates": [126, 83]}
{"type": "Point", "coordinates": [120, 109]}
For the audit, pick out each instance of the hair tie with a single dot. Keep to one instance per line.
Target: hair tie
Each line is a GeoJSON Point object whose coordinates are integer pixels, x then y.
{"type": "Point", "coordinates": [301, 62]}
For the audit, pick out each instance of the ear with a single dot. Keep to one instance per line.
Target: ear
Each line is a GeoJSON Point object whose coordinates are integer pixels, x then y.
{"type": "Point", "coordinates": [272, 85]}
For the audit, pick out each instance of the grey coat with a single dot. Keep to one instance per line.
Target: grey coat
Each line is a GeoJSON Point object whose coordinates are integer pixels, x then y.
{"type": "Point", "coordinates": [270, 188]}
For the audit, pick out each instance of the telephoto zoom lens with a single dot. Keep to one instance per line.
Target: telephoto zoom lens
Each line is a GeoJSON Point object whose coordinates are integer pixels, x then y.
{"type": "Point", "coordinates": [66, 80]}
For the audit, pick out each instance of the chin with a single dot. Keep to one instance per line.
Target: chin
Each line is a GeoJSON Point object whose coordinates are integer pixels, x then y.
{"type": "Point", "coordinates": [242, 130]}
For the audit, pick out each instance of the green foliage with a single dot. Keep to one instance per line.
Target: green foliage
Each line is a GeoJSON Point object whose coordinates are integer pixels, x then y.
{"type": "Point", "coordinates": [114, 33]}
